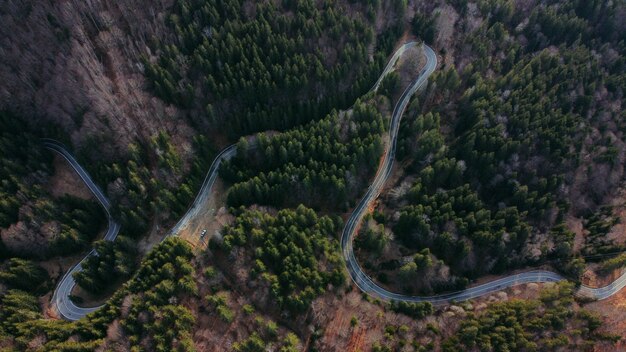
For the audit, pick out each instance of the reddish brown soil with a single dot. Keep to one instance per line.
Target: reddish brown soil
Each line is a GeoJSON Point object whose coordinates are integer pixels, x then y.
{"type": "Point", "coordinates": [613, 312]}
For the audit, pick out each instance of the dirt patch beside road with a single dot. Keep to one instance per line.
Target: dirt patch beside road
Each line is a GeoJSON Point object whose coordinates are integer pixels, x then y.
{"type": "Point", "coordinates": [66, 181]}
{"type": "Point", "coordinates": [613, 313]}
{"type": "Point", "coordinates": [212, 218]}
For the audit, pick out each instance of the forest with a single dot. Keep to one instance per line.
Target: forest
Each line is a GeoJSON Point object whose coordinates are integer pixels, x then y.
{"type": "Point", "coordinates": [278, 70]}
{"type": "Point", "coordinates": [115, 262]}
{"type": "Point", "coordinates": [518, 136]}
{"type": "Point", "coordinates": [63, 225]}
{"type": "Point", "coordinates": [518, 325]}
{"type": "Point", "coordinates": [146, 181]}
{"type": "Point", "coordinates": [323, 164]}
{"type": "Point", "coordinates": [69, 225]}
{"type": "Point", "coordinates": [492, 169]}
{"type": "Point", "coordinates": [150, 181]}
{"type": "Point", "coordinates": [292, 252]}
{"type": "Point", "coordinates": [154, 320]}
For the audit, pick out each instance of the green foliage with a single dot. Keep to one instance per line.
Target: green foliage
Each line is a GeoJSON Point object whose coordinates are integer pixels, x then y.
{"type": "Point", "coordinates": [310, 164]}
{"type": "Point", "coordinates": [24, 275]}
{"type": "Point", "coordinates": [248, 309]}
{"type": "Point", "coordinates": [114, 262]}
{"type": "Point", "coordinates": [390, 85]}
{"type": "Point", "coordinates": [448, 80]}
{"type": "Point", "coordinates": [290, 343]}
{"type": "Point", "coordinates": [613, 263]}
{"type": "Point", "coordinates": [598, 225]}
{"type": "Point", "coordinates": [264, 66]}
{"type": "Point", "coordinates": [556, 26]}
{"type": "Point", "coordinates": [254, 343]}
{"type": "Point", "coordinates": [419, 137]}
{"type": "Point", "coordinates": [354, 321]}
{"type": "Point", "coordinates": [293, 253]}
{"type": "Point", "coordinates": [271, 328]}
{"type": "Point", "coordinates": [165, 274]}
{"type": "Point", "coordinates": [519, 114]}
{"type": "Point", "coordinates": [423, 259]}
{"type": "Point", "coordinates": [417, 310]}
{"type": "Point", "coordinates": [17, 307]}
{"type": "Point", "coordinates": [260, 341]}
{"type": "Point", "coordinates": [154, 321]}
{"type": "Point", "coordinates": [140, 187]}
{"type": "Point", "coordinates": [423, 26]}
{"type": "Point", "coordinates": [485, 140]}
{"type": "Point", "coordinates": [219, 302]}
{"type": "Point", "coordinates": [170, 328]}
{"type": "Point", "coordinates": [78, 223]}
{"type": "Point", "coordinates": [399, 6]}
{"type": "Point", "coordinates": [168, 158]}
{"type": "Point", "coordinates": [527, 325]}
{"type": "Point", "coordinates": [377, 347]}
{"type": "Point", "coordinates": [319, 164]}
{"type": "Point", "coordinates": [373, 240]}
{"type": "Point", "coordinates": [25, 167]}
{"type": "Point", "coordinates": [210, 272]}
{"type": "Point", "coordinates": [149, 179]}
{"type": "Point", "coordinates": [563, 252]}
{"type": "Point", "coordinates": [21, 156]}
{"type": "Point", "coordinates": [424, 225]}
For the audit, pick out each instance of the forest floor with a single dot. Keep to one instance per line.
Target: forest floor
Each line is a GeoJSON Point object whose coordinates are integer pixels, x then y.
{"type": "Point", "coordinates": [213, 217]}
{"type": "Point", "coordinates": [616, 235]}
{"type": "Point", "coordinates": [336, 313]}
{"type": "Point", "coordinates": [91, 300]}
{"type": "Point", "coordinates": [613, 312]}
{"type": "Point", "coordinates": [66, 181]}
{"type": "Point", "coordinates": [156, 234]}
{"type": "Point", "coordinates": [58, 266]}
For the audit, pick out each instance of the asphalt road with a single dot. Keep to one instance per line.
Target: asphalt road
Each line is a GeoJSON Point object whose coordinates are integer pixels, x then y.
{"type": "Point", "coordinates": [205, 190]}
{"type": "Point", "coordinates": [66, 308]}
{"type": "Point", "coordinates": [71, 311]}
{"type": "Point", "coordinates": [367, 285]}
{"type": "Point", "coordinates": [603, 292]}
{"type": "Point", "coordinates": [392, 61]}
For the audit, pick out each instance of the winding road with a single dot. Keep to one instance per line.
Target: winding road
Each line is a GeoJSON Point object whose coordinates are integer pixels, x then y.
{"type": "Point", "coordinates": [70, 311]}
{"type": "Point", "coordinates": [61, 297]}
{"type": "Point", "coordinates": [205, 190]}
{"type": "Point", "coordinates": [367, 285]}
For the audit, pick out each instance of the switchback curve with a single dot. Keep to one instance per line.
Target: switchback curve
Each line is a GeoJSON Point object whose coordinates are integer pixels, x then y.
{"type": "Point", "coordinates": [72, 312]}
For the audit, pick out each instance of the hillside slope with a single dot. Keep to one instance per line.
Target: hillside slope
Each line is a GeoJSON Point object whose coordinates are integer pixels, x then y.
{"type": "Point", "coordinates": [76, 63]}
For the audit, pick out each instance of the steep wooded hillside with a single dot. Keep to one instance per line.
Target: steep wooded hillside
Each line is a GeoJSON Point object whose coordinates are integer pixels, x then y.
{"type": "Point", "coordinates": [77, 64]}
{"type": "Point", "coordinates": [511, 158]}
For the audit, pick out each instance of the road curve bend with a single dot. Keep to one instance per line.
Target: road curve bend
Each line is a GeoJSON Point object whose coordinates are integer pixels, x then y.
{"type": "Point", "coordinates": [205, 189]}
{"type": "Point", "coordinates": [70, 311]}
{"type": "Point", "coordinates": [60, 298]}
{"type": "Point", "coordinates": [605, 292]}
{"type": "Point", "coordinates": [230, 151]}
{"type": "Point", "coordinates": [367, 285]}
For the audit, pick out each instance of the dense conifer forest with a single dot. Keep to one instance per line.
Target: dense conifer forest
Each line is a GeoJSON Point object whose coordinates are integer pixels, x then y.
{"type": "Point", "coordinates": [510, 159]}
